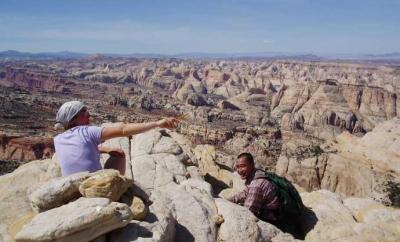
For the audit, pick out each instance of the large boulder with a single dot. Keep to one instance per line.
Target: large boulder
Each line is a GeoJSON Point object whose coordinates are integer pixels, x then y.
{"type": "Point", "coordinates": [57, 192]}
{"type": "Point", "coordinates": [80, 221]}
{"type": "Point", "coordinates": [157, 160]}
{"type": "Point", "coordinates": [191, 199]}
{"type": "Point", "coordinates": [241, 225]}
{"type": "Point", "coordinates": [15, 206]}
{"type": "Point", "coordinates": [105, 183]}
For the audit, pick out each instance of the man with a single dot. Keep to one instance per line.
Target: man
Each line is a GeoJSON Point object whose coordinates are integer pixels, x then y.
{"type": "Point", "coordinates": [260, 195]}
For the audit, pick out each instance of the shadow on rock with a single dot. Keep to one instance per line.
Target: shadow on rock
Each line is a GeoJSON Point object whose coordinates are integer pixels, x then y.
{"type": "Point", "coordinates": [307, 221]}
{"type": "Point", "coordinates": [131, 232]}
{"type": "Point", "coordinates": [184, 234]}
{"type": "Point", "coordinates": [216, 184]}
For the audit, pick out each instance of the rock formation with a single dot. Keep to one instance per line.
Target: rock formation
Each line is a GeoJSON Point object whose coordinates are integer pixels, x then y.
{"type": "Point", "coordinates": [170, 200]}
{"type": "Point", "coordinates": [323, 125]}
{"type": "Point", "coordinates": [25, 148]}
{"type": "Point", "coordinates": [348, 165]}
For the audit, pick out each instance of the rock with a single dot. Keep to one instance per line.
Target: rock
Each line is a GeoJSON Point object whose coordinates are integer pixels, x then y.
{"type": "Point", "coordinates": [191, 199]}
{"type": "Point", "coordinates": [25, 148]}
{"type": "Point", "coordinates": [138, 209]}
{"type": "Point", "coordinates": [4, 234]}
{"type": "Point", "coordinates": [241, 225]}
{"type": "Point", "coordinates": [238, 185]}
{"type": "Point", "coordinates": [57, 192]}
{"type": "Point", "coordinates": [82, 220]}
{"type": "Point", "coordinates": [105, 183]}
{"type": "Point", "coordinates": [369, 211]}
{"type": "Point", "coordinates": [195, 99]}
{"type": "Point", "coordinates": [186, 147]}
{"type": "Point", "coordinates": [332, 219]}
{"type": "Point", "coordinates": [194, 172]}
{"type": "Point", "coordinates": [102, 238]}
{"type": "Point", "coordinates": [155, 170]}
{"type": "Point", "coordinates": [159, 226]}
{"type": "Point", "coordinates": [381, 145]}
{"type": "Point", "coordinates": [19, 223]}
{"type": "Point", "coordinates": [143, 143]}
{"type": "Point", "coordinates": [227, 105]}
{"type": "Point", "coordinates": [218, 219]}
{"type": "Point", "coordinates": [349, 165]}
{"type": "Point", "coordinates": [166, 145]}
{"type": "Point", "coordinates": [219, 178]}
{"type": "Point", "coordinates": [14, 202]}
{"type": "Point", "coordinates": [54, 169]}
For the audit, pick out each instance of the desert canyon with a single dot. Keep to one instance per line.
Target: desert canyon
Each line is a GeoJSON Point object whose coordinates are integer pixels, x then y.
{"type": "Point", "coordinates": [330, 127]}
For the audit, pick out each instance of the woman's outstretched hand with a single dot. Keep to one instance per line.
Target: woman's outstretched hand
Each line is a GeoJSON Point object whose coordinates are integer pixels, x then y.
{"type": "Point", "coordinates": [168, 123]}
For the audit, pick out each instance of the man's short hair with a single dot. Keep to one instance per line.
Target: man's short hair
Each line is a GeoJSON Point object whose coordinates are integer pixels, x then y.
{"type": "Point", "coordinates": [247, 156]}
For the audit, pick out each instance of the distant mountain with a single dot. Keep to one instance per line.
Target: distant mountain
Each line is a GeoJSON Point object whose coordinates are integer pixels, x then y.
{"type": "Point", "coordinates": [247, 55]}
{"type": "Point", "coordinates": [16, 55]}
{"type": "Point", "coordinates": [388, 56]}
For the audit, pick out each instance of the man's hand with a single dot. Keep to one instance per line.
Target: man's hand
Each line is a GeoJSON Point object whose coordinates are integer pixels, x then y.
{"type": "Point", "coordinates": [168, 123]}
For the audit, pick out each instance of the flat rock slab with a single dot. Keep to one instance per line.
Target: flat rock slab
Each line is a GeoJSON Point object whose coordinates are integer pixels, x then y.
{"type": "Point", "coordinates": [57, 192]}
{"type": "Point", "coordinates": [82, 220]}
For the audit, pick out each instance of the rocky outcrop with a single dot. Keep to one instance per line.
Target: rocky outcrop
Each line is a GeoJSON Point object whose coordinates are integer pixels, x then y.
{"type": "Point", "coordinates": [159, 170]}
{"type": "Point", "coordinates": [203, 134]}
{"type": "Point", "coordinates": [349, 165]}
{"type": "Point", "coordinates": [171, 200]}
{"type": "Point", "coordinates": [313, 108]}
{"type": "Point", "coordinates": [351, 219]}
{"type": "Point", "coordinates": [34, 80]}
{"type": "Point", "coordinates": [219, 178]}
{"type": "Point", "coordinates": [14, 202]}
{"type": "Point", "coordinates": [25, 148]}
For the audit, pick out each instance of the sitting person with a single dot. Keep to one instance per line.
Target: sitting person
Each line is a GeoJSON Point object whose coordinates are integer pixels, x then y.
{"type": "Point", "coordinates": [260, 195]}
{"type": "Point", "coordinates": [262, 198]}
{"type": "Point", "coordinates": [78, 146]}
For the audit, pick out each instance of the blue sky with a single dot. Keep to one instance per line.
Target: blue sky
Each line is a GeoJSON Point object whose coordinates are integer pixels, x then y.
{"type": "Point", "coordinates": [217, 26]}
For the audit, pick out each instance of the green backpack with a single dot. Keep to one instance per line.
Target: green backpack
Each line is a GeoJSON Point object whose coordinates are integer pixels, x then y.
{"type": "Point", "coordinates": [289, 196]}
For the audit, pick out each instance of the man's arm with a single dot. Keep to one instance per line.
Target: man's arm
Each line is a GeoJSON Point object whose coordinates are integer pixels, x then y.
{"type": "Point", "coordinates": [254, 200]}
{"type": "Point", "coordinates": [240, 197]}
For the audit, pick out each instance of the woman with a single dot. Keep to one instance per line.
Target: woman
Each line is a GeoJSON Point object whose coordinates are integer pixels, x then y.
{"type": "Point", "coordinates": [77, 147]}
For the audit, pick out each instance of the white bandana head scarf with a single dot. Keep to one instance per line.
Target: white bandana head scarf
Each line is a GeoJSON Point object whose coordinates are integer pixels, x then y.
{"type": "Point", "coordinates": [67, 111]}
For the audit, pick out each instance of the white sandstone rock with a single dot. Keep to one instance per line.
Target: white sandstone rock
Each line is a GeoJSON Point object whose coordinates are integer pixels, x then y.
{"type": "Point", "coordinates": [79, 221]}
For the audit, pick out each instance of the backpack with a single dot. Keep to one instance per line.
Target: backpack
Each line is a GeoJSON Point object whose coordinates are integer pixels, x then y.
{"type": "Point", "coordinates": [292, 205]}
